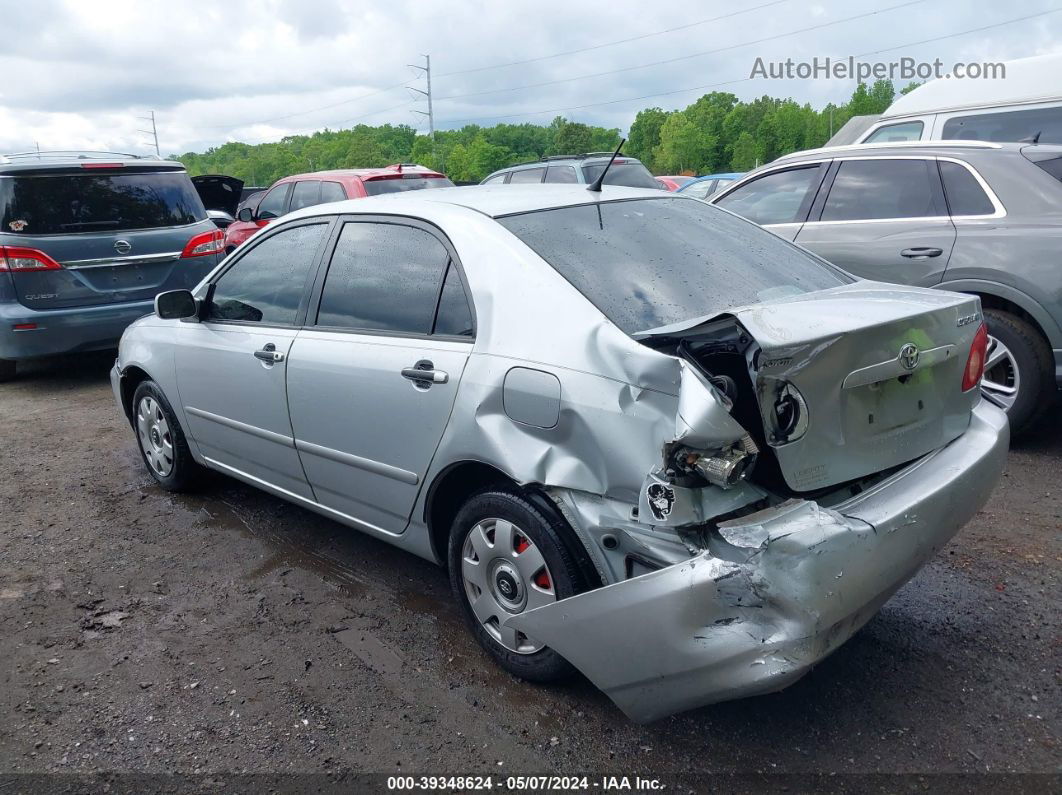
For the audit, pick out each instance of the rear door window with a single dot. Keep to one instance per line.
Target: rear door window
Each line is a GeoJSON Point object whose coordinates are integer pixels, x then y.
{"type": "Point", "coordinates": [775, 198]}
{"type": "Point", "coordinates": [305, 194]}
{"type": "Point", "coordinates": [561, 174]}
{"type": "Point", "coordinates": [383, 277]}
{"type": "Point", "coordinates": [453, 318]}
{"type": "Point", "coordinates": [275, 203]}
{"type": "Point", "coordinates": [332, 192]}
{"type": "Point", "coordinates": [65, 203]}
{"type": "Point", "coordinates": [527, 175]}
{"type": "Point", "coordinates": [964, 192]}
{"type": "Point", "coordinates": [868, 190]}
{"type": "Point", "coordinates": [267, 283]}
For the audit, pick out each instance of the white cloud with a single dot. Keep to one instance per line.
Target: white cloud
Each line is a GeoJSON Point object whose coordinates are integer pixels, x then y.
{"type": "Point", "coordinates": [79, 74]}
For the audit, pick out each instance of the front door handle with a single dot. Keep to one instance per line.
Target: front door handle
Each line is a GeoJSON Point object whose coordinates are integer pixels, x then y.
{"type": "Point", "coordinates": [269, 354]}
{"type": "Point", "coordinates": [921, 252]}
{"type": "Point", "coordinates": [424, 374]}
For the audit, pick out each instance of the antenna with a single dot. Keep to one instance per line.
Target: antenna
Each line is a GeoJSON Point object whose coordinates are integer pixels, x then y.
{"type": "Point", "coordinates": [595, 186]}
{"type": "Point", "coordinates": [1032, 139]}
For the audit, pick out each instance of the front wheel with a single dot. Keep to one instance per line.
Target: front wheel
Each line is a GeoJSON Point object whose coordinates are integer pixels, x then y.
{"type": "Point", "coordinates": [508, 556]}
{"type": "Point", "coordinates": [162, 444]}
{"type": "Point", "coordinates": [1019, 370]}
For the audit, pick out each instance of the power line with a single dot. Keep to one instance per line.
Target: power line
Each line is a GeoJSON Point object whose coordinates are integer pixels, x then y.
{"type": "Point", "coordinates": [612, 43]}
{"type": "Point", "coordinates": [304, 112]}
{"type": "Point", "coordinates": [742, 79]}
{"type": "Point", "coordinates": [687, 57]}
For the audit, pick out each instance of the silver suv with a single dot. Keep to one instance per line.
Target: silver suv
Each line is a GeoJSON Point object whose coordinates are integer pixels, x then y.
{"type": "Point", "coordinates": [577, 170]}
{"type": "Point", "coordinates": [975, 217]}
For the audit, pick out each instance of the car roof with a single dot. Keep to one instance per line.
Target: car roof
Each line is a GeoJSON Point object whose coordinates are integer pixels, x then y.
{"type": "Point", "coordinates": [17, 162]}
{"type": "Point", "coordinates": [493, 201]}
{"type": "Point", "coordinates": [363, 173]}
{"type": "Point", "coordinates": [912, 147]}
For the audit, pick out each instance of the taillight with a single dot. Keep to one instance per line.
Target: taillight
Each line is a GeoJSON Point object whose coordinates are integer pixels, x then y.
{"type": "Point", "coordinates": [206, 243]}
{"type": "Point", "coordinates": [975, 362]}
{"type": "Point", "coordinates": [15, 259]}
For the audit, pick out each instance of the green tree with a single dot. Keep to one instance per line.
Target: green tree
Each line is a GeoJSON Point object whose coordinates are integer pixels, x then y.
{"type": "Point", "coordinates": [644, 136]}
{"type": "Point", "coordinates": [571, 138]}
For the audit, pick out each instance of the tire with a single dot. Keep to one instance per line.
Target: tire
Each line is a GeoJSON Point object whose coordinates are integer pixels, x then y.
{"type": "Point", "coordinates": [7, 370]}
{"type": "Point", "coordinates": [485, 514]}
{"type": "Point", "coordinates": [1023, 362]}
{"type": "Point", "coordinates": [161, 441]}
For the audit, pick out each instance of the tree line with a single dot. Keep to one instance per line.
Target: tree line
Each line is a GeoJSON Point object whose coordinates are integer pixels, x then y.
{"type": "Point", "coordinates": [716, 133]}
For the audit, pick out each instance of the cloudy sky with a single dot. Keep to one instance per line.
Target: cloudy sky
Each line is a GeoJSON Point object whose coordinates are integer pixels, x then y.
{"type": "Point", "coordinates": [79, 74]}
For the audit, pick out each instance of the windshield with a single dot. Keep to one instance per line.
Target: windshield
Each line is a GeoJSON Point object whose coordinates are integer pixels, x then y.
{"type": "Point", "coordinates": [374, 187]}
{"type": "Point", "coordinates": [65, 203]}
{"type": "Point", "coordinates": [633, 175]}
{"type": "Point", "coordinates": [654, 262]}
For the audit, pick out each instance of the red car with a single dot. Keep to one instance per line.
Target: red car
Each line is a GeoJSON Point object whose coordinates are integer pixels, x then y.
{"type": "Point", "coordinates": [673, 183]}
{"type": "Point", "coordinates": [321, 187]}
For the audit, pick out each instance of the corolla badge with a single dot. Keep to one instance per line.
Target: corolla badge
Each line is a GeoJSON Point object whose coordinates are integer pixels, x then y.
{"type": "Point", "coordinates": [661, 500]}
{"type": "Point", "coordinates": [909, 356]}
{"type": "Point", "coordinates": [123, 246]}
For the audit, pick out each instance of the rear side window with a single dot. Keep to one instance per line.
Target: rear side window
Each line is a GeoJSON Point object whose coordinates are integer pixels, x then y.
{"type": "Point", "coordinates": [454, 317]}
{"type": "Point", "coordinates": [64, 203]}
{"type": "Point", "coordinates": [332, 192]}
{"type": "Point", "coordinates": [773, 199]}
{"type": "Point", "coordinates": [561, 174]}
{"type": "Point", "coordinates": [964, 192]}
{"type": "Point", "coordinates": [374, 187]}
{"type": "Point", "coordinates": [497, 178]}
{"type": "Point", "coordinates": [266, 284]}
{"type": "Point", "coordinates": [1014, 125]}
{"type": "Point", "coordinates": [904, 131]}
{"type": "Point", "coordinates": [305, 194]}
{"type": "Point", "coordinates": [701, 190]}
{"type": "Point", "coordinates": [275, 203]}
{"type": "Point", "coordinates": [867, 190]}
{"type": "Point", "coordinates": [633, 175]}
{"type": "Point", "coordinates": [527, 175]}
{"type": "Point", "coordinates": [383, 277]}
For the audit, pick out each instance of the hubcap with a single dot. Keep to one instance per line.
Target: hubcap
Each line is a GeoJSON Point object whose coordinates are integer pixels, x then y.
{"type": "Point", "coordinates": [154, 432]}
{"type": "Point", "coordinates": [504, 573]}
{"type": "Point", "coordinates": [1001, 380]}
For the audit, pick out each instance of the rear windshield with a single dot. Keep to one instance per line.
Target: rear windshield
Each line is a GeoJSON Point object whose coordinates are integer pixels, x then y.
{"type": "Point", "coordinates": [633, 175]}
{"type": "Point", "coordinates": [654, 262]}
{"type": "Point", "coordinates": [1052, 166]}
{"type": "Point", "coordinates": [66, 203]}
{"type": "Point", "coordinates": [374, 187]}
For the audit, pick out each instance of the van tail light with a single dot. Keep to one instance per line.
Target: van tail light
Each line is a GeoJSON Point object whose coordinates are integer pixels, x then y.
{"type": "Point", "coordinates": [975, 361]}
{"type": "Point", "coordinates": [15, 259]}
{"type": "Point", "coordinates": [207, 243]}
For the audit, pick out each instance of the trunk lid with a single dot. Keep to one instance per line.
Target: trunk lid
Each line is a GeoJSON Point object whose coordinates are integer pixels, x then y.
{"type": "Point", "coordinates": [219, 192]}
{"type": "Point", "coordinates": [857, 379]}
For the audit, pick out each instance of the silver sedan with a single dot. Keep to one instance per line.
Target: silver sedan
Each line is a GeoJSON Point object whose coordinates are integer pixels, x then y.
{"type": "Point", "coordinates": [650, 440]}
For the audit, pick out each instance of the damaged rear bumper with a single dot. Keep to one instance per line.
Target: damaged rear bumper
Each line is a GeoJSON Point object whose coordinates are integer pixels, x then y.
{"type": "Point", "coordinates": [777, 591]}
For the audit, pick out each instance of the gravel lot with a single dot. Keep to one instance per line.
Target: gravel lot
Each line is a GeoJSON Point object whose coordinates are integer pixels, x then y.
{"type": "Point", "coordinates": [230, 631]}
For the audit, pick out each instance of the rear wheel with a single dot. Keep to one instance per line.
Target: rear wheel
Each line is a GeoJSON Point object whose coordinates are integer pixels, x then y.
{"type": "Point", "coordinates": [1019, 371]}
{"type": "Point", "coordinates": [160, 439]}
{"type": "Point", "coordinates": [7, 370]}
{"type": "Point", "coordinates": [508, 556]}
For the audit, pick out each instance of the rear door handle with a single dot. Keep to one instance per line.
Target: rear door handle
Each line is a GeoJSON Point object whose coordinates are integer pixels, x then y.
{"type": "Point", "coordinates": [423, 373]}
{"type": "Point", "coordinates": [269, 354]}
{"type": "Point", "coordinates": [921, 252]}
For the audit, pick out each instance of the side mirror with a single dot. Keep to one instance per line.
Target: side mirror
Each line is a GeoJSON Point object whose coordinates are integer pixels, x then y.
{"type": "Point", "coordinates": [245, 214]}
{"type": "Point", "coordinates": [175, 305]}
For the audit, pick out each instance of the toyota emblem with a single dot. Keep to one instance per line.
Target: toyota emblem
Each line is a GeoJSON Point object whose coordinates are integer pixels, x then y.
{"type": "Point", "coordinates": [909, 356]}
{"type": "Point", "coordinates": [123, 246]}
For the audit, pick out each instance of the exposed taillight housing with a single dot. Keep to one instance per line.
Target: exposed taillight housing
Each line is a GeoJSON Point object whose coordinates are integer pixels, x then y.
{"type": "Point", "coordinates": [975, 361]}
{"type": "Point", "coordinates": [15, 259]}
{"type": "Point", "coordinates": [207, 243]}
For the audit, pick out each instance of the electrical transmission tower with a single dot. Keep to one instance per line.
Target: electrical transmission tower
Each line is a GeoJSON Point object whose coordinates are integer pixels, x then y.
{"type": "Point", "coordinates": [426, 69]}
{"type": "Point", "coordinates": [153, 132]}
